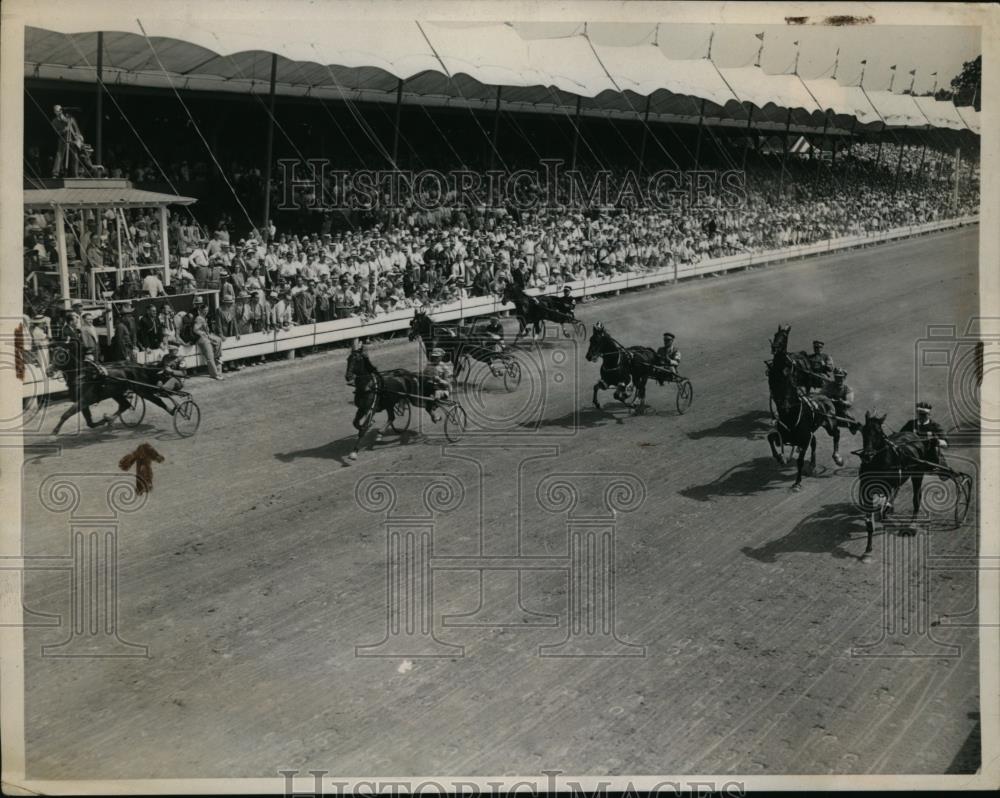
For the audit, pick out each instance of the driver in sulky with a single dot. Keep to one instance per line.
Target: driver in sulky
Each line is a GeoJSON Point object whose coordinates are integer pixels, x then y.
{"type": "Point", "coordinates": [439, 376]}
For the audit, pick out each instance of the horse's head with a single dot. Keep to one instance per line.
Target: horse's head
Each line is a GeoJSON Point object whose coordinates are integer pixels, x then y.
{"type": "Point", "coordinates": [873, 437]}
{"type": "Point", "coordinates": [420, 325]}
{"type": "Point", "coordinates": [780, 341]}
{"type": "Point", "coordinates": [599, 341]}
{"type": "Point", "coordinates": [62, 357]}
{"type": "Point", "coordinates": [358, 364]}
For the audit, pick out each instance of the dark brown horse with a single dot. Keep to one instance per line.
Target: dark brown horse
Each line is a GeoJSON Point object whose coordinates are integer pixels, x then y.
{"type": "Point", "coordinates": [888, 461]}
{"type": "Point", "coordinates": [88, 386]}
{"type": "Point", "coordinates": [533, 310]}
{"type": "Point", "coordinates": [390, 392]}
{"type": "Point", "coordinates": [798, 414]}
{"type": "Point", "coordinates": [621, 366]}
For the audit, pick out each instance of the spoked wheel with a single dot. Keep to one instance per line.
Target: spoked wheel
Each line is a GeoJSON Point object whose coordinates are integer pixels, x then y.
{"type": "Point", "coordinates": [401, 415]}
{"type": "Point", "coordinates": [963, 499]}
{"type": "Point", "coordinates": [187, 418]}
{"type": "Point", "coordinates": [512, 374]}
{"type": "Point", "coordinates": [685, 395]}
{"type": "Point", "coordinates": [136, 410]}
{"type": "Point", "coordinates": [455, 422]}
{"type": "Point", "coordinates": [579, 330]}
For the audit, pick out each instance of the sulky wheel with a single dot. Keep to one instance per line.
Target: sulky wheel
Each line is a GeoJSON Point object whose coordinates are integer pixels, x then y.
{"type": "Point", "coordinates": [401, 415]}
{"type": "Point", "coordinates": [963, 498]}
{"type": "Point", "coordinates": [187, 418]}
{"type": "Point", "coordinates": [685, 395]}
{"type": "Point", "coordinates": [136, 410]}
{"type": "Point", "coordinates": [512, 374]}
{"type": "Point", "coordinates": [455, 422]}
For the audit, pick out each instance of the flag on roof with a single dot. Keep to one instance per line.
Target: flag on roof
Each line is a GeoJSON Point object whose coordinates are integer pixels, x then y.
{"type": "Point", "coordinates": [759, 36]}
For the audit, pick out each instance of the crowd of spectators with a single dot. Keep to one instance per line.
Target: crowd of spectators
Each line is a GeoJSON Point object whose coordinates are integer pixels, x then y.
{"type": "Point", "coordinates": [406, 257]}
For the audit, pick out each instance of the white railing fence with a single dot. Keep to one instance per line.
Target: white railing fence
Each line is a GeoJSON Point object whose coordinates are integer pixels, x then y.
{"type": "Point", "coordinates": [308, 335]}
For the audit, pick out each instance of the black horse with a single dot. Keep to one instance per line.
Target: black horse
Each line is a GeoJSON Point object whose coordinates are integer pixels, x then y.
{"type": "Point", "coordinates": [888, 461]}
{"type": "Point", "coordinates": [87, 386]}
{"type": "Point", "coordinates": [390, 392]}
{"type": "Point", "coordinates": [620, 366]}
{"type": "Point", "coordinates": [482, 343]}
{"type": "Point", "coordinates": [534, 310]}
{"type": "Point", "coordinates": [798, 414]}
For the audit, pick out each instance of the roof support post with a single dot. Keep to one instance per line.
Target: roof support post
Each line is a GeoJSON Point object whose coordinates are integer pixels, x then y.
{"type": "Point", "coordinates": [697, 146]}
{"type": "Point", "coordinates": [645, 134]}
{"type": "Point", "coordinates": [923, 154]}
{"type": "Point", "coordinates": [496, 129]}
{"type": "Point", "coordinates": [63, 257]}
{"type": "Point", "coordinates": [395, 129]}
{"type": "Point", "coordinates": [270, 148]}
{"type": "Point", "coordinates": [164, 245]}
{"type": "Point", "coordinates": [899, 166]}
{"type": "Point", "coordinates": [99, 127]}
{"type": "Point", "coordinates": [784, 153]}
{"type": "Point", "coordinates": [850, 140]}
{"type": "Point", "coordinates": [576, 132]}
{"type": "Point", "coordinates": [958, 165]}
{"type": "Point", "coordinates": [822, 140]}
{"type": "Point", "coordinates": [878, 155]}
{"type": "Point", "coordinates": [749, 128]}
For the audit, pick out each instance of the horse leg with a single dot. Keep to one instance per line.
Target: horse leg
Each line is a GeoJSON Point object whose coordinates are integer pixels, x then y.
{"type": "Point", "coordinates": [598, 386]}
{"type": "Point", "coordinates": [73, 409]}
{"type": "Point", "coordinates": [800, 463]}
{"type": "Point", "coordinates": [836, 446]}
{"type": "Point", "coordinates": [812, 453]}
{"type": "Point", "coordinates": [773, 436]}
{"type": "Point", "coordinates": [390, 416]}
{"type": "Point", "coordinates": [870, 527]}
{"type": "Point", "coordinates": [123, 406]}
{"type": "Point", "coordinates": [640, 394]}
{"type": "Point", "coordinates": [522, 328]}
{"type": "Point", "coordinates": [104, 422]}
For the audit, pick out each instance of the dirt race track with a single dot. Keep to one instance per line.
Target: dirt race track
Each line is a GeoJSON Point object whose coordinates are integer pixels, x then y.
{"type": "Point", "coordinates": [252, 573]}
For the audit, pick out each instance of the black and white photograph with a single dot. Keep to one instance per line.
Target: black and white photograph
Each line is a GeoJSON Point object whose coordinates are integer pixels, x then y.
{"type": "Point", "coordinates": [490, 398]}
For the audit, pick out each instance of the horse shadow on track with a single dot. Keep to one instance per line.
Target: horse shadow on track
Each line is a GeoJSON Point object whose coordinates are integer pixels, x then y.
{"type": "Point", "coordinates": [587, 417]}
{"type": "Point", "coordinates": [746, 479]}
{"type": "Point", "coordinates": [752, 426]}
{"type": "Point", "coordinates": [340, 449]}
{"type": "Point", "coordinates": [823, 532]}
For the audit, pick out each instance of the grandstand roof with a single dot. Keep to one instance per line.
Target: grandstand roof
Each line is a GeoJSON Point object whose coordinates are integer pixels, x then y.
{"type": "Point", "coordinates": [443, 64]}
{"type": "Point", "coordinates": [93, 197]}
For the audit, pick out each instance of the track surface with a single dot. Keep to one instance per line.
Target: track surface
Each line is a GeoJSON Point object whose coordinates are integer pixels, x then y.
{"type": "Point", "coordinates": [252, 574]}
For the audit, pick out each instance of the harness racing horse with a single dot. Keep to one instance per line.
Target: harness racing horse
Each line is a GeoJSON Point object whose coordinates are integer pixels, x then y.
{"type": "Point", "coordinates": [390, 392]}
{"type": "Point", "coordinates": [887, 462]}
{"type": "Point", "coordinates": [533, 310]}
{"type": "Point", "coordinates": [456, 342]}
{"type": "Point", "coordinates": [620, 366]}
{"type": "Point", "coordinates": [798, 415]}
{"type": "Point", "coordinates": [86, 390]}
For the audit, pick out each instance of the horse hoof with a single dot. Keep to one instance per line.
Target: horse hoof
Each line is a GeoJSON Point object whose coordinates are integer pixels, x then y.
{"type": "Point", "coordinates": [838, 459]}
{"type": "Point", "coordinates": [866, 558]}
{"type": "Point", "coordinates": [378, 436]}
{"type": "Point", "coordinates": [352, 456]}
{"type": "Point", "coordinates": [797, 487]}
